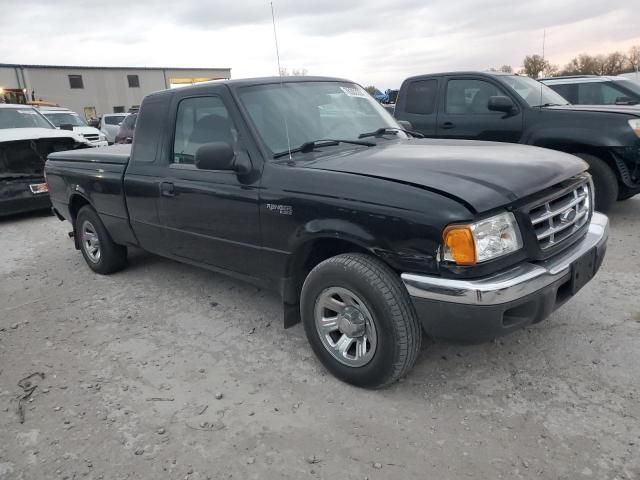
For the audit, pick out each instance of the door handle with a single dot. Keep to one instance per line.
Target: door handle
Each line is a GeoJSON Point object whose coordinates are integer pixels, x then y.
{"type": "Point", "coordinates": [447, 125]}
{"type": "Point", "coordinates": [167, 189]}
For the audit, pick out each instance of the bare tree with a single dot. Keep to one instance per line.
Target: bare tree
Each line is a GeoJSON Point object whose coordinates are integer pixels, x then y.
{"type": "Point", "coordinates": [583, 64]}
{"type": "Point", "coordinates": [633, 58]}
{"type": "Point", "coordinates": [614, 64]}
{"type": "Point", "coordinates": [550, 70]}
{"type": "Point", "coordinates": [506, 69]}
{"type": "Point", "coordinates": [371, 89]}
{"type": "Point", "coordinates": [534, 65]}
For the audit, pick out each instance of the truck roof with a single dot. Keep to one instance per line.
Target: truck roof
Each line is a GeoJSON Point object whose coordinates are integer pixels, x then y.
{"type": "Point", "coordinates": [246, 82]}
{"type": "Point", "coordinates": [464, 72]}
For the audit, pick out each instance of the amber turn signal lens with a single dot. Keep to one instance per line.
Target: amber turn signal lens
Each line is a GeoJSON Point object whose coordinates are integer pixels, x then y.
{"type": "Point", "coordinates": [458, 241]}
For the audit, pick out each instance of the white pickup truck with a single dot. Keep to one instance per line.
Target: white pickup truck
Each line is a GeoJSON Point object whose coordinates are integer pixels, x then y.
{"type": "Point", "coordinates": [66, 119]}
{"type": "Point", "coordinates": [26, 138]}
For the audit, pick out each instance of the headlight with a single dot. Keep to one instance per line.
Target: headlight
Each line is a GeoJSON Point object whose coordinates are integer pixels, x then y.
{"type": "Point", "coordinates": [635, 124]}
{"type": "Point", "coordinates": [102, 138]}
{"type": "Point", "coordinates": [481, 241]}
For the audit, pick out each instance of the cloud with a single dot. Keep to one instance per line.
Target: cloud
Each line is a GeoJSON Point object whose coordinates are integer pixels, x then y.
{"type": "Point", "coordinates": [374, 42]}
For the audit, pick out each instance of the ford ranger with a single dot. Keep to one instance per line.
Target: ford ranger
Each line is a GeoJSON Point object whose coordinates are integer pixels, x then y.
{"type": "Point", "coordinates": [369, 234]}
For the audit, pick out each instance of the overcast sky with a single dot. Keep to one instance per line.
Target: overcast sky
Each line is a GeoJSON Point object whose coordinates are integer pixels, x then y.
{"type": "Point", "coordinates": [372, 42]}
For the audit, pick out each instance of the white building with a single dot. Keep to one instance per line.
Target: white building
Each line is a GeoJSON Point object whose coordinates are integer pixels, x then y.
{"type": "Point", "coordinates": [93, 91]}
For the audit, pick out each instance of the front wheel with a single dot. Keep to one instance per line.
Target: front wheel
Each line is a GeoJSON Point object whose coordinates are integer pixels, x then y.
{"type": "Point", "coordinates": [100, 252]}
{"type": "Point", "coordinates": [360, 321]}
{"type": "Point", "coordinates": [605, 182]}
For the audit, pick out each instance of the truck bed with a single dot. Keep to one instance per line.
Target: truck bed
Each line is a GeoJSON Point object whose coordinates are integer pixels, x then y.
{"type": "Point", "coordinates": [95, 176]}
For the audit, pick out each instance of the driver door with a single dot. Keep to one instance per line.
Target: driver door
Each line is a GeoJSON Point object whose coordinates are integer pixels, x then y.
{"type": "Point", "coordinates": [209, 217]}
{"type": "Point", "coordinates": [465, 114]}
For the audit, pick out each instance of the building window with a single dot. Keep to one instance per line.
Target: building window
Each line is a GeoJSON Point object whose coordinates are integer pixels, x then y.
{"type": "Point", "coordinates": [75, 81]}
{"type": "Point", "coordinates": [134, 81]}
{"type": "Point", "coordinates": [119, 109]}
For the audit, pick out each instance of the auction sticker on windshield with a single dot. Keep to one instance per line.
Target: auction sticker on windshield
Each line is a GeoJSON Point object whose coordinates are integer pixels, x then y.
{"type": "Point", "coordinates": [354, 91]}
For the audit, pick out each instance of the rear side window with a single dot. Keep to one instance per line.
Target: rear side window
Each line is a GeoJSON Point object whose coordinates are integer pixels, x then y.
{"type": "Point", "coordinates": [567, 91]}
{"type": "Point", "coordinates": [421, 96]}
{"type": "Point", "coordinates": [113, 120]}
{"type": "Point", "coordinates": [151, 125]}
{"type": "Point", "coordinates": [201, 120]}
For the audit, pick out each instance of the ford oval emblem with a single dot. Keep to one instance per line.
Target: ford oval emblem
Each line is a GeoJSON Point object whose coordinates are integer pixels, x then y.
{"type": "Point", "coordinates": [568, 216]}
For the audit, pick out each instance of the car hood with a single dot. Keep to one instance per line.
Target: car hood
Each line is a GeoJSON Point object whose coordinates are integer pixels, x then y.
{"type": "Point", "coordinates": [625, 109]}
{"type": "Point", "coordinates": [482, 175]}
{"type": "Point", "coordinates": [87, 130]}
{"type": "Point", "coordinates": [18, 134]}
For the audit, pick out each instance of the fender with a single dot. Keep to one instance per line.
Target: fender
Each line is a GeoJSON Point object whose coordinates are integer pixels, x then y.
{"type": "Point", "coordinates": [570, 136]}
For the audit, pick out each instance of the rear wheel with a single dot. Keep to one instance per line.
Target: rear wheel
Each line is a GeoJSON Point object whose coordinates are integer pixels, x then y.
{"type": "Point", "coordinates": [100, 252]}
{"type": "Point", "coordinates": [360, 321]}
{"type": "Point", "coordinates": [605, 182]}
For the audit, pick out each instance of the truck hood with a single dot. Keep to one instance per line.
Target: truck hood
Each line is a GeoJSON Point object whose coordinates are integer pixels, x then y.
{"type": "Point", "coordinates": [625, 109]}
{"type": "Point", "coordinates": [481, 175]}
{"type": "Point", "coordinates": [17, 134]}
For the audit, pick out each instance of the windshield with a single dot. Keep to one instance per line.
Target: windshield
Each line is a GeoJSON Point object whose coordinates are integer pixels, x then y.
{"type": "Point", "coordinates": [114, 119]}
{"type": "Point", "coordinates": [532, 91]}
{"type": "Point", "coordinates": [22, 118]}
{"type": "Point", "coordinates": [631, 85]}
{"type": "Point", "coordinates": [308, 111]}
{"type": "Point", "coordinates": [65, 118]}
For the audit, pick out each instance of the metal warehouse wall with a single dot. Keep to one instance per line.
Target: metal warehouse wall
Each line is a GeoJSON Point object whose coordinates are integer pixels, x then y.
{"type": "Point", "coordinates": [104, 88]}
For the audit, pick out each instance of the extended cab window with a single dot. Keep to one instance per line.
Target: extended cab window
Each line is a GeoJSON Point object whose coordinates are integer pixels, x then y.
{"type": "Point", "coordinates": [201, 120]}
{"type": "Point", "coordinates": [470, 96]}
{"type": "Point", "coordinates": [421, 96]}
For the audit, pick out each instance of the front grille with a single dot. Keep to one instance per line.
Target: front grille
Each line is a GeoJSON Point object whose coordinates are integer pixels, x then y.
{"type": "Point", "coordinates": [559, 218]}
{"type": "Point", "coordinates": [92, 137]}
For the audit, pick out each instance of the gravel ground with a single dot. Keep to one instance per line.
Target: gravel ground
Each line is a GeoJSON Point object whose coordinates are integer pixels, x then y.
{"type": "Point", "coordinates": [169, 371]}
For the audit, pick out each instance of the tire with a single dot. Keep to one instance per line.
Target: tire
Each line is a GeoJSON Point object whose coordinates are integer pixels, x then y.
{"type": "Point", "coordinates": [626, 193]}
{"type": "Point", "coordinates": [393, 333]}
{"type": "Point", "coordinates": [604, 180]}
{"type": "Point", "coordinates": [101, 253]}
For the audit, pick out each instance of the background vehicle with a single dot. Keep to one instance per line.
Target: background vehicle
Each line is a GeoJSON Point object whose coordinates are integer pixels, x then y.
{"type": "Point", "coordinates": [127, 129]}
{"type": "Point", "coordinates": [109, 124]}
{"type": "Point", "coordinates": [366, 233]}
{"type": "Point", "coordinates": [26, 138]}
{"type": "Point", "coordinates": [518, 109]}
{"type": "Point", "coordinates": [595, 90]}
{"type": "Point", "coordinates": [68, 120]}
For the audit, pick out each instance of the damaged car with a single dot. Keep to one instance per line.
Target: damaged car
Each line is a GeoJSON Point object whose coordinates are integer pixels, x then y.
{"type": "Point", "coordinates": [26, 138]}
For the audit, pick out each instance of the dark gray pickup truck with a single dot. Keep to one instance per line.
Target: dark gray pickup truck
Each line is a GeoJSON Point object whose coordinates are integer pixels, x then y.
{"type": "Point", "coordinates": [307, 186]}
{"type": "Point", "coordinates": [518, 109]}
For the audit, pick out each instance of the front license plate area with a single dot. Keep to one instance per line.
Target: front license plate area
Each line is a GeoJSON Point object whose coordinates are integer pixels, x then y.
{"type": "Point", "coordinates": [582, 270]}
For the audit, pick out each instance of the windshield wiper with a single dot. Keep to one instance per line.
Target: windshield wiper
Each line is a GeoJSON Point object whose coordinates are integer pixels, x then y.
{"type": "Point", "coordinates": [310, 146]}
{"type": "Point", "coordinates": [381, 131]}
{"type": "Point", "coordinates": [552, 105]}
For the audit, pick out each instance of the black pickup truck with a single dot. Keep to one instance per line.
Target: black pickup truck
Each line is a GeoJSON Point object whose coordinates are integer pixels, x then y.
{"type": "Point", "coordinates": [514, 108]}
{"type": "Point", "coordinates": [309, 187]}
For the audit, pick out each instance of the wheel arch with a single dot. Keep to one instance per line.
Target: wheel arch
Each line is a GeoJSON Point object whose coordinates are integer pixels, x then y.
{"type": "Point", "coordinates": [76, 202]}
{"type": "Point", "coordinates": [305, 257]}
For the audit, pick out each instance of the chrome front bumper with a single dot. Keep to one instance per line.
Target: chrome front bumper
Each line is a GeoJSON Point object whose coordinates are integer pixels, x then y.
{"type": "Point", "coordinates": [512, 284]}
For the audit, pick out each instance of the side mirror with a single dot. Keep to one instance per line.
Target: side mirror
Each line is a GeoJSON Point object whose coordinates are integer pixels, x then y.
{"type": "Point", "coordinates": [220, 156]}
{"type": "Point", "coordinates": [624, 101]}
{"type": "Point", "coordinates": [500, 104]}
{"type": "Point", "coordinates": [405, 124]}
{"type": "Point", "coordinates": [66, 126]}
